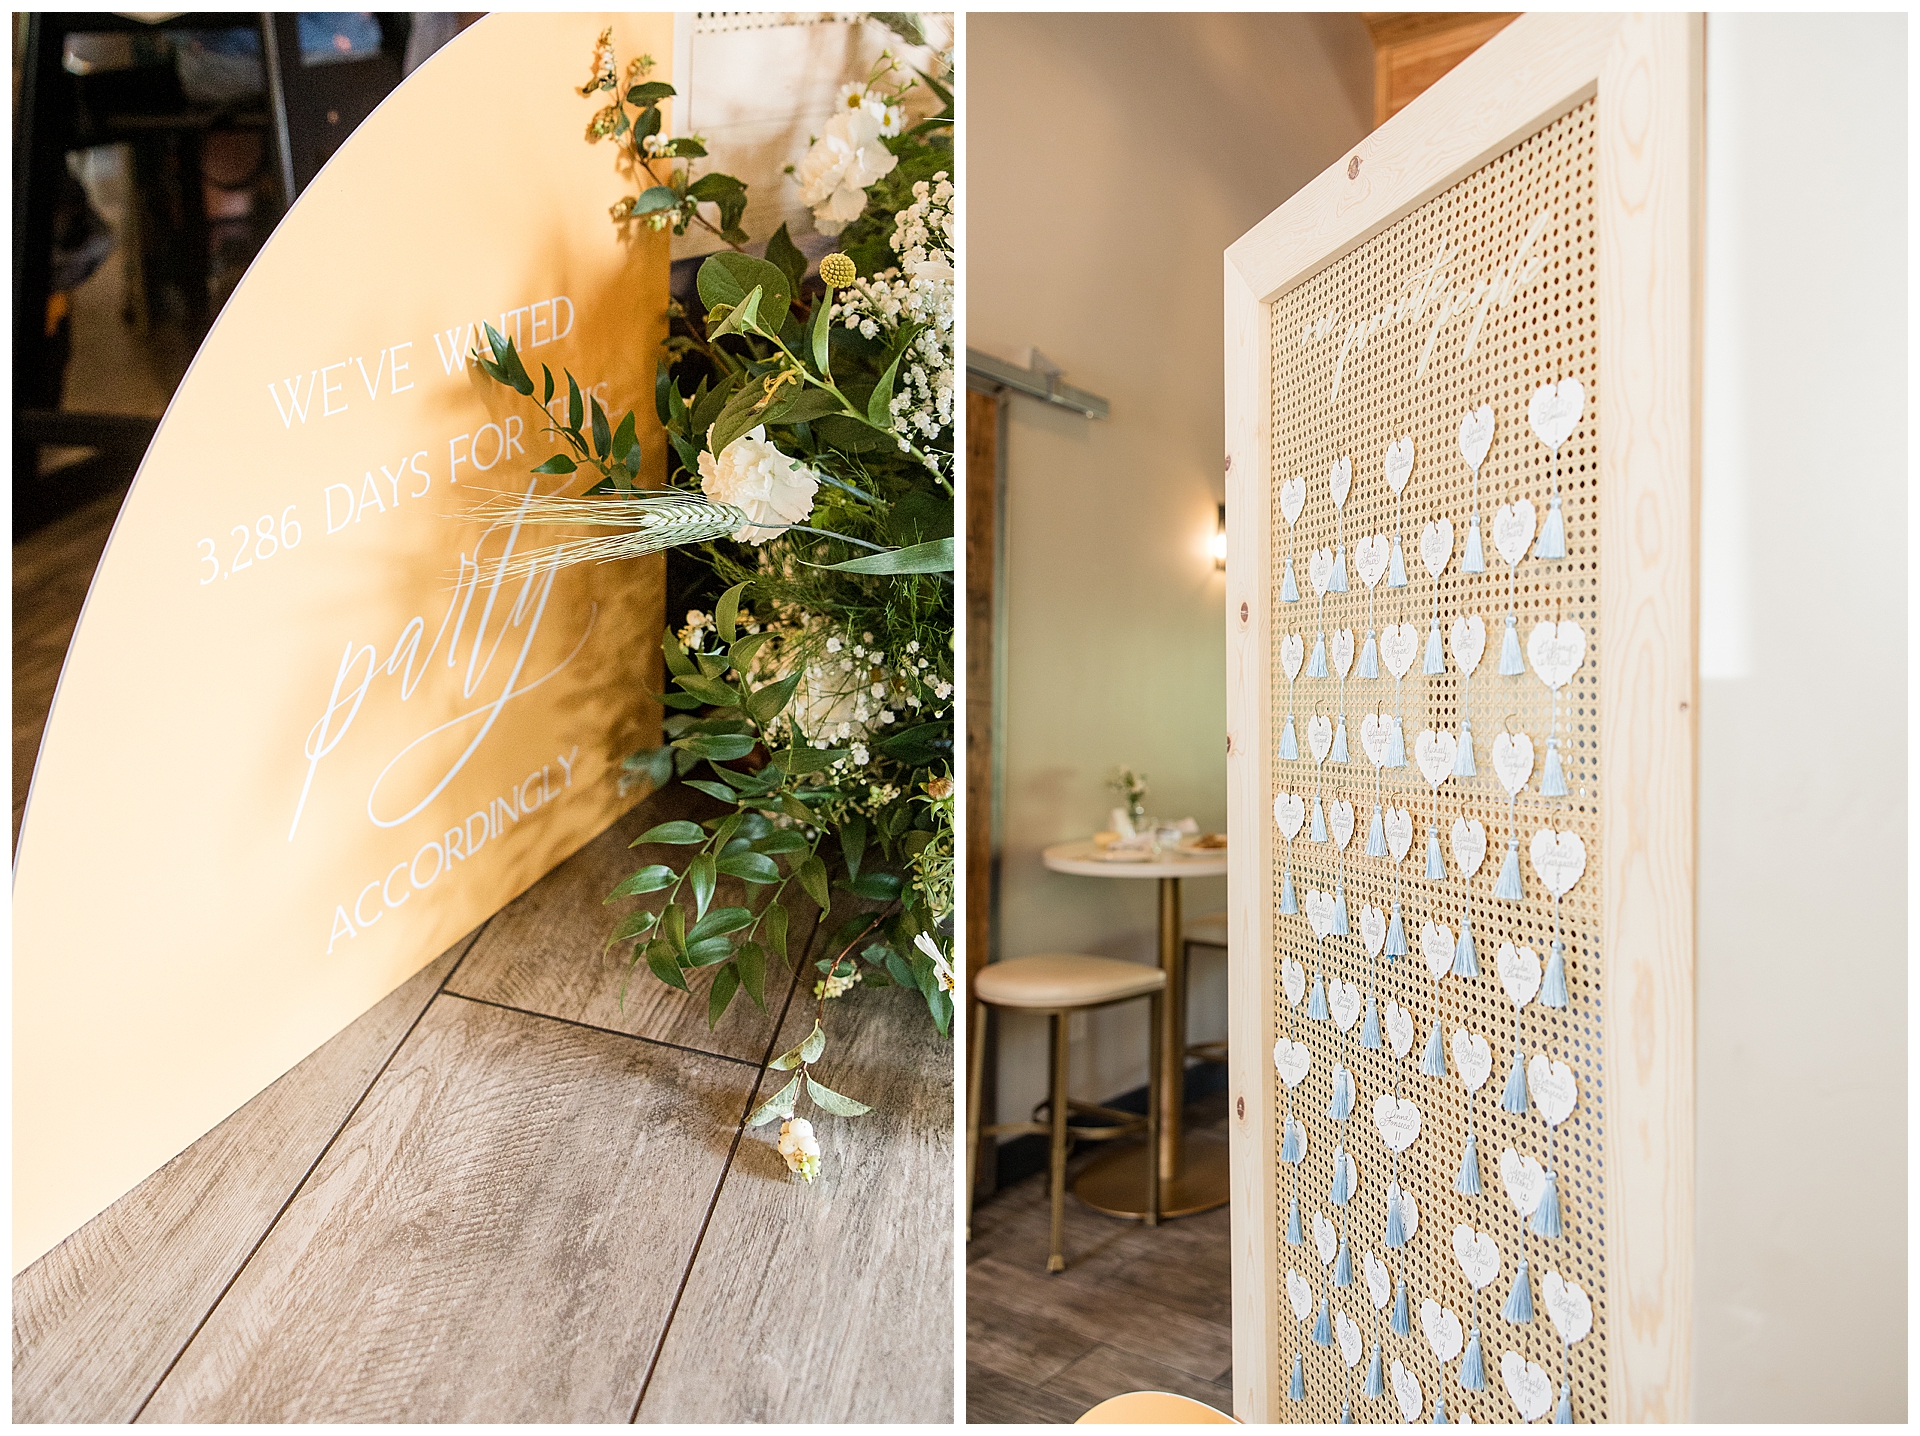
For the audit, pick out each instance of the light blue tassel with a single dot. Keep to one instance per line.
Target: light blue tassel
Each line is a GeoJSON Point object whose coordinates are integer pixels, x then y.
{"type": "Point", "coordinates": [1323, 1326]}
{"type": "Point", "coordinates": [1289, 745]}
{"type": "Point", "coordinates": [1463, 760]}
{"type": "Point", "coordinates": [1514, 1099]}
{"type": "Point", "coordinates": [1339, 928]}
{"type": "Point", "coordinates": [1510, 660]}
{"type": "Point", "coordinates": [1507, 888]}
{"type": "Point", "coordinates": [1317, 1000]}
{"type": "Point", "coordinates": [1377, 835]}
{"type": "Point", "coordinates": [1552, 542]}
{"type": "Point", "coordinates": [1396, 747]}
{"type": "Point", "coordinates": [1343, 1266]}
{"type": "Point", "coordinates": [1346, 1412]}
{"type": "Point", "coordinates": [1436, 869]}
{"type": "Point", "coordinates": [1433, 1061]}
{"type": "Point", "coordinates": [1317, 660]}
{"type": "Point", "coordinates": [1519, 1307]}
{"type": "Point", "coordinates": [1338, 583]}
{"type": "Point", "coordinates": [1553, 987]}
{"type": "Point", "coordinates": [1370, 1027]}
{"type": "Point", "coordinates": [1376, 1385]}
{"type": "Point", "coordinates": [1563, 1413]}
{"type": "Point", "coordinates": [1396, 1224]}
{"type": "Point", "coordinates": [1297, 1386]}
{"type": "Point", "coordinates": [1398, 1323]}
{"type": "Point", "coordinates": [1294, 1236]}
{"type": "Point", "coordinates": [1287, 902]}
{"type": "Point", "coordinates": [1396, 934]}
{"type": "Point", "coordinates": [1289, 590]}
{"type": "Point", "coordinates": [1553, 778]}
{"type": "Point", "coordinates": [1439, 1410]}
{"type": "Point", "coordinates": [1546, 1216]}
{"type": "Point", "coordinates": [1339, 753]}
{"type": "Point", "coordinates": [1436, 655]}
{"type": "Point", "coordinates": [1467, 1180]}
{"type": "Point", "coordinates": [1397, 567]}
{"type": "Point", "coordinates": [1475, 561]}
{"type": "Point", "coordinates": [1466, 961]}
{"type": "Point", "coordinates": [1369, 658]}
{"type": "Point", "coordinates": [1340, 1105]}
{"type": "Point", "coordinates": [1292, 1142]}
{"type": "Point", "coordinates": [1473, 1369]}
{"type": "Point", "coordinates": [1317, 833]}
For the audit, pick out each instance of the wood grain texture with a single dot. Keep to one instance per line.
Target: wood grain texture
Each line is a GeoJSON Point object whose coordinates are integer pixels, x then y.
{"type": "Point", "coordinates": [832, 1302]}
{"type": "Point", "coordinates": [1412, 50]}
{"type": "Point", "coordinates": [547, 951]}
{"type": "Point", "coordinates": [983, 468]}
{"type": "Point", "coordinates": [1651, 126]}
{"type": "Point", "coordinates": [97, 1319]}
{"type": "Point", "coordinates": [496, 1236]}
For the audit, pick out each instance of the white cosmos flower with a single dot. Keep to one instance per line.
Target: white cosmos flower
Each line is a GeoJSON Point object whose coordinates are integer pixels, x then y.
{"type": "Point", "coordinates": [755, 476]}
{"type": "Point", "coordinates": [798, 1146]}
{"type": "Point", "coordinates": [892, 120]}
{"type": "Point", "coordinates": [942, 969]}
{"type": "Point", "coordinates": [846, 158]}
{"type": "Point", "coordinates": [853, 95]}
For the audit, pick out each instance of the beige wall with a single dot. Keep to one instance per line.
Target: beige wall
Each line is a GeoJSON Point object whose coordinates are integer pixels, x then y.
{"type": "Point", "coordinates": [1112, 158]}
{"type": "Point", "coordinates": [1801, 1294]}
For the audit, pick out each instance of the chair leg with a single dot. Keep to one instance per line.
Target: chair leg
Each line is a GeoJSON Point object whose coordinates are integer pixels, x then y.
{"type": "Point", "coordinates": [1153, 1109]}
{"type": "Point", "coordinates": [977, 1058]}
{"type": "Point", "coordinates": [1057, 1100]}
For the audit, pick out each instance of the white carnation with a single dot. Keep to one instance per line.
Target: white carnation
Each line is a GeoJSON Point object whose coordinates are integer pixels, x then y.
{"type": "Point", "coordinates": [840, 165]}
{"type": "Point", "coordinates": [753, 475]}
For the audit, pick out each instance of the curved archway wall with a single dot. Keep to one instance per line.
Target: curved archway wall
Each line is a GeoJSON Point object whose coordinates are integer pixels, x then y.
{"type": "Point", "coordinates": [280, 777]}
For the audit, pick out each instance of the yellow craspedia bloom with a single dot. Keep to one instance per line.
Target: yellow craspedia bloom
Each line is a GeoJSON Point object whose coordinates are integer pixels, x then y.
{"type": "Point", "coordinates": [837, 271]}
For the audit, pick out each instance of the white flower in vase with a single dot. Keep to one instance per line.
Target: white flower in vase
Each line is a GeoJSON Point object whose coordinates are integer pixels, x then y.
{"type": "Point", "coordinates": [755, 476]}
{"type": "Point", "coordinates": [846, 158]}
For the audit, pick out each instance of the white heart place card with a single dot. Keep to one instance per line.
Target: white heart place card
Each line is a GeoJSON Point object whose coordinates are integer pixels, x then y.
{"type": "Point", "coordinates": [1320, 570]}
{"type": "Point", "coordinates": [1343, 1001]}
{"type": "Point", "coordinates": [1399, 825]}
{"type": "Point", "coordinates": [1289, 813]}
{"type": "Point", "coordinates": [1472, 1057]}
{"type": "Point", "coordinates": [1293, 498]}
{"type": "Point", "coordinates": [1513, 531]}
{"type": "Point", "coordinates": [1347, 1332]}
{"type": "Point", "coordinates": [1340, 822]}
{"type": "Point", "coordinates": [1525, 1181]}
{"type": "Point", "coordinates": [1292, 1060]}
{"type": "Point", "coordinates": [1299, 1295]}
{"type": "Point", "coordinates": [1406, 1394]}
{"type": "Point", "coordinates": [1512, 760]}
{"type": "Point", "coordinates": [1398, 1120]}
{"type": "Point", "coordinates": [1468, 640]}
{"type": "Point", "coordinates": [1293, 652]}
{"type": "Point", "coordinates": [1527, 1384]}
{"type": "Point", "coordinates": [1399, 646]}
{"type": "Point", "coordinates": [1552, 1087]}
{"type": "Point", "coordinates": [1476, 435]}
{"type": "Point", "coordinates": [1556, 651]}
{"type": "Point", "coordinates": [1519, 969]}
{"type": "Point", "coordinates": [1339, 480]}
{"type": "Point", "coordinates": [1399, 1023]}
{"type": "Point", "coordinates": [1370, 558]}
{"type": "Point", "coordinates": [1319, 908]}
{"type": "Point", "coordinates": [1319, 736]}
{"type": "Point", "coordinates": [1340, 650]}
{"type": "Point", "coordinates": [1379, 1281]}
{"type": "Point", "coordinates": [1376, 738]}
{"type": "Point", "coordinates": [1293, 980]}
{"type": "Point", "coordinates": [1478, 1254]}
{"type": "Point", "coordinates": [1434, 753]}
{"type": "Point", "coordinates": [1554, 411]}
{"type": "Point", "coordinates": [1399, 462]}
{"type": "Point", "coordinates": [1442, 1330]}
{"type": "Point", "coordinates": [1559, 859]}
{"type": "Point", "coordinates": [1436, 946]}
{"type": "Point", "coordinates": [1326, 1240]}
{"type": "Point", "coordinates": [1373, 929]}
{"type": "Point", "coordinates": [1567, 1307]}
{"type": "Point", "coordinates": [1469, 845]}
{"type": "Point", "coordinates": [1436, 546]}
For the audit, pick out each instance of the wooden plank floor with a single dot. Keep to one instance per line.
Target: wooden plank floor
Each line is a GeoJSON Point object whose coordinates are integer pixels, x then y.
{"type": "Point", "coordinates": [1135, 1310]}
{"type": "Point", "coordinates": [504, 1194]}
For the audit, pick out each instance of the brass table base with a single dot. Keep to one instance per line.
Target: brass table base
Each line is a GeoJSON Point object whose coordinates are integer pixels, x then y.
{"type": "Point", "coordinates": [1117, 1184]}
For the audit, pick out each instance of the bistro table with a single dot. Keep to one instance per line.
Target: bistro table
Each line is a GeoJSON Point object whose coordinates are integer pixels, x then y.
{"type": "Point", "coordinates": [1193, 1176]}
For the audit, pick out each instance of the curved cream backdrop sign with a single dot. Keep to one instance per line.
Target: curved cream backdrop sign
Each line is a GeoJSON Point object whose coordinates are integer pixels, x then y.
{"type": "Point", "coordinates": [309, 733]}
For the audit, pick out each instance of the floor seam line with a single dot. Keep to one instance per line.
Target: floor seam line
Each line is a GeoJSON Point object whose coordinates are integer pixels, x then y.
{"type": "Point", "coordinates": [609, 1031]}
{"type": "Point", "coordinates": [307, 1176]}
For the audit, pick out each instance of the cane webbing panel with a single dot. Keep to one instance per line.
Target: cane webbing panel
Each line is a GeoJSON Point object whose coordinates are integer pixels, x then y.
{"type": "Point", "coordinates": [1545, 330]}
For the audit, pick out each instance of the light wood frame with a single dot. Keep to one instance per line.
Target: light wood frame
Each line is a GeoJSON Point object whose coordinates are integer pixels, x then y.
{"type": "Point", "coordinates": [1646, 74]}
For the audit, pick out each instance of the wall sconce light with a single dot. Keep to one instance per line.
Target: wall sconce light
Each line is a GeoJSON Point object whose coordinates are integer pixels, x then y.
{"type": "Point", "coordinates": [1219, 545]}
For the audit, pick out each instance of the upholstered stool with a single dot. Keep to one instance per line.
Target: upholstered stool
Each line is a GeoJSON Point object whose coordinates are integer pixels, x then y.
{"type": "Point", "coordinates": [1061, 984]}
{"type": "Point", "coordinates": [1207, 931]}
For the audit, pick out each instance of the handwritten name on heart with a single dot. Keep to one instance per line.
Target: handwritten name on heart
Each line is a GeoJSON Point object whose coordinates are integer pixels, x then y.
{"type": "Point", "coordinates": [1556, 651]}
{"type": "Point", "coordinates": [1473, 1057]}
{"type": "Point", "coordinates": [1468, 640]}
{"type": "Point", "coordinates": [1326, 1240]}
{"type": "Point", "coordinates": [1348, 1333]}
{"type": "Point", "coordinates": [1476, 435]}
{"type": "Point", "coordinates": [1399, 646]}
{"type": "Point", "coordinates": [1398, 1120]}
{"type": "Point", "coordinates": [1379, 1281]}
{"type": "Point", "coordinates": [1320, 570]}
{"type": "Point", "coordinates": [1293, 652]}
{"type": "Point", "coordinates": [1370, 558]}
{"type": "Point", "coordinates": [1340, 822]}
{"type": "Point", "coordinates": [1376, 738]}
{"type": "Point", "coordinates": [1524, 1179]}
{"type": "Point", "coordinates": [1554, 411]}
{"type": "Point", "coordinates": [1340, 650]}
{"type": "Point", "coordinates": [1567, 1307]}
{"type": "Point", "coordinates": [1373, 929]}
{"type": "Point", "coordinates": [1339, 480]}
{"type": "Point", "coordinates": [1478, 1254]}
{"type": "Point", "coordinates": [1512, 760]}
{"type": "Point", "coordinates": [1433, 754]}
{"type": "Point", "coordinates": [1343, 1001]}
{"type": "Point", "coordinates": [1399, 1029]}
{"type": "Point", "coordinates": [1442, 1328]}
{"type": "Point", "coordinates": [1469, 845]}
{"type": "Point", "coordinates": [1527, 1384]}
{"type": "Point", "coordinates": [1559, 859]}
{"type": "Point", "coordinates": [1406, 1394]}
{"type": "Point", "coordinates": [1436, 546]}
{"type": "Point", "coordinates": [1552, 1087]}
{"type": "Point", "coordinates": [1319, 908]}
{"type": "Point", "coordinates": [1513, 531]}
{"type": "Point", "coordinates": [1409, 1213]}
{"type": "Point", "coordinates": [1436, 946]}
{"type": "Point", "coordinates": [1292, 1060]}
{"type": "Point", "coordinates": [1399, 825]}
{"type": "Point", "coordinates": [1399, 462]}
{"type": "Point", "coordinates": [1319, 736]}
{"type": "Point", "coordinates": [1289, 812]}
{"type": "Point", "coordinates": [1293, 498]}
{"type": "Point", "coordinates": [1519, 969]}
{"type": "Point", "coordinates": [1299, 1295]}
{"type": "Point", "coordinates": [1293, 980]}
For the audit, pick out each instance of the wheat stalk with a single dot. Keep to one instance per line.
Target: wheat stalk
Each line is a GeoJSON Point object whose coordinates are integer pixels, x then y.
{"type": "Point", "coordinates": [649, 522]}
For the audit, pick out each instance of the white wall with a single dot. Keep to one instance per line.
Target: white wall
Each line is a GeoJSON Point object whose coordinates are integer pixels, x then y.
{"type": "Point", "coordinates": [1801, 1294]}
{"type": "Point", "coordinates": [1112, 159]}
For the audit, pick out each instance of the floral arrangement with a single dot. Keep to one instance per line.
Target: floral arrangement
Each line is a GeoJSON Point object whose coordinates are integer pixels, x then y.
{"type": "Point", "coordinates": [810, 418]}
